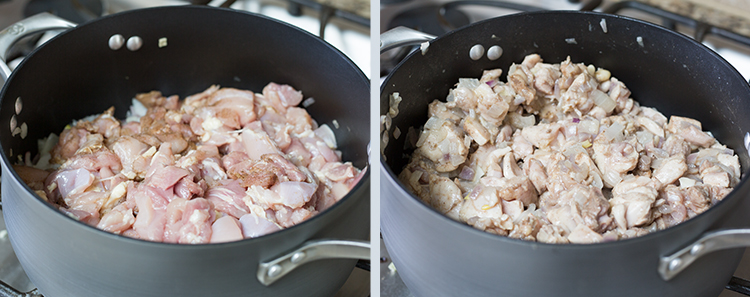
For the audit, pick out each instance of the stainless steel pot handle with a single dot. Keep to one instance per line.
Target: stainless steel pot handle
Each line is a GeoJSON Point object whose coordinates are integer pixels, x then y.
{"type": "Point", "coordinates": [7, 291]}
{"type": "Point", "coordinates": [402, 36]}
{"type": "Point", "coordinates": [273, 270]}
{"type": "Point", "coordinates": [671, 265]}
{"type": "Point", "coordinates": [9, 36]}
{"type": "Point", "coordinates": [31, 25]}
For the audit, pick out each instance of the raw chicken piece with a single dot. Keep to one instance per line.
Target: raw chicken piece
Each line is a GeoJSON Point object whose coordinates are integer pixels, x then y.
{"type": "Point", "coordinates": [227, 198]}
{"type": "Point", "coordinates": [255, 226]}
{"type": "Point", "coordinates": [173, 167]}
{"type": "Point", "coordinates": [226, 229]}
{"type": "Point", "coordinates": [196, 222]}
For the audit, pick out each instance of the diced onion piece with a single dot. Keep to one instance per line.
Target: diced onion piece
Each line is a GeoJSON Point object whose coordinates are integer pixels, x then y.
{"type": "Point", "coordinates": [46, 144]}
{"type": "Point", "coordinates": [644, 137]}
{"type": "Point", "coordinates": [520, 122]}
{"type": "Point", "coordinates": [597, 180]}
{"type": "Point", "coordinates": [433, 123]}
{"type": "Point", "coordinates": [386, 121]}
{"type": "Point", "coordinates": [602, 100]}
{"type": "Point", "coordinates": [573, 150]}
{"type": "Point", "coordinates": [611, 178]}
{"type": "Point", "coordinates": [307, 102]}
{"type": "Point", "coordinates": [614, 132]}
{"type": "Point", "coordinates": [393, 102]}
{"type": "Point", "coordinates": [137, 109]}
{"type": "Point", "coordinates": [469, 83]}
{"type": "Point", "coordinates": [686, 182]}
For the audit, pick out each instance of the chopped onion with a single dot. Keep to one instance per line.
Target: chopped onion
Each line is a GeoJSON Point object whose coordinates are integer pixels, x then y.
{"type": "Point", "coordinates": [644, 137]}
{"type": "Point", "coordinates": [603, 23]}
{"type": "Point", "coordinates": [393, 103]}
{"type": "Point", "coordinates": [309, 101]}
{"type": "Point", "coordinates": [467, 173]}
{"type": "Point", "coordinates": [24, 130]}
{"type": "Point", "coordinates": [386, 121]}
{"type": "Point", "coordinates": [686, 182]}
{"type": "Point", "coordinates": [469, 83]}
{"type": "Point", "coordinates": [611, 178]}
{"type": "Point", "coordinates": [520, 122]}
{"type": "Point", "coordinates": [614, 132]}
{"type": "Point", "coordinates": [588, 126]}
{"type": "Point", "coordinates": [137, 109]}
{"type": "Point", "coordinates": [597, 180]}
{"type": "Point", "coordinates": [424, 46]}
{"type": "Point", "coordinates": [412, 135]}
{"type": "Point", "coordinates": [573, 150]}
{"type": "Point", "coordinates": [602, 100]}
{"type": "Point", "coordinates": [396, 132]}
{"type": "Point", "coordinates": [433, 123]}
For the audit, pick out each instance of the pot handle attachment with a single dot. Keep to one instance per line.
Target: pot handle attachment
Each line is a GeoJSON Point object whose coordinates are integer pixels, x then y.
{"type": "Point", "coordinates": [402, 36]}
{"type": "Point", "coordinates": [671, 265]}
{"type": "Point", "coordinates": [8, 291]}
{"type": "Point", "coordinates": [31, 25]}
{"type": "Point", "coordinates": [271, 271]}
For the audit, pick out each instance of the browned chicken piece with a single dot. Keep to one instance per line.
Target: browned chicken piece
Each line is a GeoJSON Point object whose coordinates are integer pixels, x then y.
{"type": "Point", "coordinates": [562, 154]}
{"type": "Point", "coordinates": [443, 143]}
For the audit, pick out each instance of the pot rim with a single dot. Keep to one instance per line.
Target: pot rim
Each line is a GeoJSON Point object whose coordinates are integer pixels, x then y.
{"type": "Point", "coordinates": [200, 9]}
{"type": "Point", "coordinates": [387, 170]}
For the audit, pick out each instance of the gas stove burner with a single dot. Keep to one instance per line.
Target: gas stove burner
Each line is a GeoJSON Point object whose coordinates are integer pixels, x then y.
{"type": "Point", "coordinates": [426, 19]}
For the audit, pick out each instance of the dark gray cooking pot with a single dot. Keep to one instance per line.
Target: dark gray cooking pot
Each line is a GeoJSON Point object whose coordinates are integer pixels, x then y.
{"type": "Point", "coordinates": [77, 74]}
{"type": "Point", "coordinates": [436, 256]}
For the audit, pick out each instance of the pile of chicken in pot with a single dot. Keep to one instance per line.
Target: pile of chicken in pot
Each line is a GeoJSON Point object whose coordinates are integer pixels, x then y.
{"type": "Point", "coordinates": [222, 165]}
{"type": "Point", "coordinates": [562, 154]}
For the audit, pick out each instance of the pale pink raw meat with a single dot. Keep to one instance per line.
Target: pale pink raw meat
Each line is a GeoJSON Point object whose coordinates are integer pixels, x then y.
{"type": "Point", "coordinates": [226, 229]}
{"type": "Point", "coordinates": [255, 161]}
{"type": "Point", "coordinates": [227, 198]}
{"type": "Point", "coordinates": [196, 222]}
{"type": "Point", "coordinates": [255, 226]}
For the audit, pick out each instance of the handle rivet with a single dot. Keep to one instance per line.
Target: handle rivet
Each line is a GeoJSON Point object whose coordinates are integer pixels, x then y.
{"type": "Point", "coordinates": [494, 52]}
{"type": "Point", "coordinates": [274, 271]}
{"type": "Point", "coordinates": [675, 263]}
{"type": "Point", "coordinates": [18, 105]}
{"type": "Point", "coordinates": [476, 52]}
{"type": "Point", "coordinates": [116, 42]}
{"type": "Point", "coordinates": [696, 249]}
{"type": "Point", "coordinates": [134, 43]}
{"type": "Point", "coordinates": [298, 257]}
